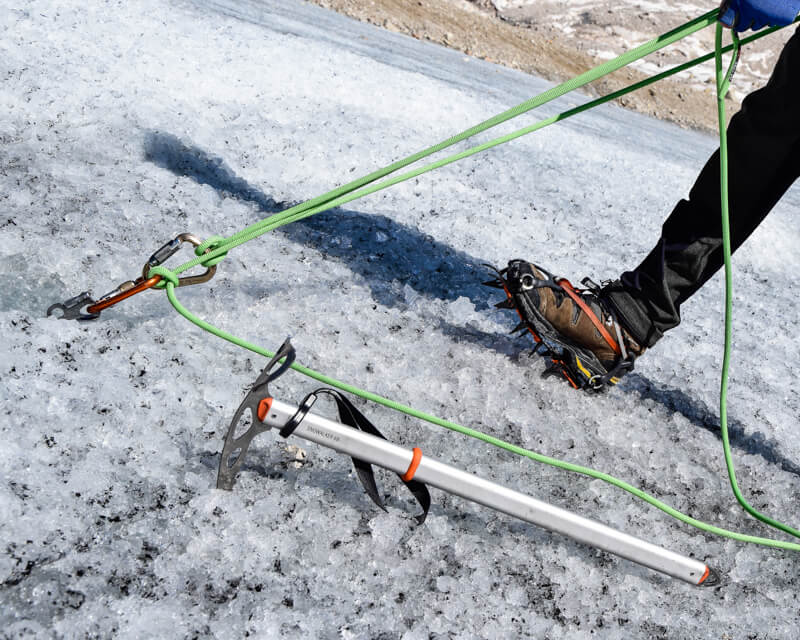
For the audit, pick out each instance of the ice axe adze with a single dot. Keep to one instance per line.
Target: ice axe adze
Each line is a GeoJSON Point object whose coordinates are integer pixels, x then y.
{"type": "Point", "coordinates": [366, 447]}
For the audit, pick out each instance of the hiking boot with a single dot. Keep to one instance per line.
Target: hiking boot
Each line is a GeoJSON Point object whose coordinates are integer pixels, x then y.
{"type": "Point", "coordinates": [575, 328]}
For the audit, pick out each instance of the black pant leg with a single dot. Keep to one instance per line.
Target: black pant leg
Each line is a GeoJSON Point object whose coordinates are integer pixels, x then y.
{"type": "Point", "coordinates": [763, 162]}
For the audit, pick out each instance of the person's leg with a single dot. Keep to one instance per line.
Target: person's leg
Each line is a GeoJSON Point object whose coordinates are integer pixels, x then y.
{"type": "Point", "coordinates": [764, 161]}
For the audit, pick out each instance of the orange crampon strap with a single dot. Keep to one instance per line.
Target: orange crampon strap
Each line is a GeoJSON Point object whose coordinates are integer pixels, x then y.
{"type": "Point", "coordinates": [573, 367]}
{"type": "Point", "coordinates": [572, 293]}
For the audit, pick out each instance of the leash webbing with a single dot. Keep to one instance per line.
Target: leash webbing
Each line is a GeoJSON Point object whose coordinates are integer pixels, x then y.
{"type": "Point", "coordinates": [354, 190]}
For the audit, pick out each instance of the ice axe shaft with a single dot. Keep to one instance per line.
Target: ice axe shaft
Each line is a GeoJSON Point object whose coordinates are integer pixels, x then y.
{"type": "Point", "coordinates": [374, 450]}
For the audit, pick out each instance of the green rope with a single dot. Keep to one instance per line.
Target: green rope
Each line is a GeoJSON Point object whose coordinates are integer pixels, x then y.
{"type": "Point", "coordinates": [478, 435]}
{"type": "Point", "coordinates": [286, 217]}
{"type": "Point", "coordinates": [723, 84]}
{"type": "Point", "coordinates": [343, 195]}
{"type": "Point", "coordinates": [354, 190]}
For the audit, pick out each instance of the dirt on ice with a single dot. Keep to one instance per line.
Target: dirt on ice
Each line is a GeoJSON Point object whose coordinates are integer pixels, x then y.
{"type": "Point", "coordinates": [558, 40]}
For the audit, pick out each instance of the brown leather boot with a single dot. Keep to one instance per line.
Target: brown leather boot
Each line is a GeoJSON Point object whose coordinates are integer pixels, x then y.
{"type": "Point", "coordinates": [573, 327]}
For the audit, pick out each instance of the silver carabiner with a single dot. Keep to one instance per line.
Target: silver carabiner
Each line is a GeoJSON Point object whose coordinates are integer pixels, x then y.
{"type": "Point", "coordinates": [169, 250]}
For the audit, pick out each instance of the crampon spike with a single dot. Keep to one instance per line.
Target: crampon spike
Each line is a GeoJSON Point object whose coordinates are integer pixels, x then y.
{"type": "Point", "coordinates": [522, 326]}
{"type": "Point", "coordinates": [553, 368]}
{"type": "Point", "coordinates": [558, 369]}
{"type": "Point", "coordinates": [495, 271]}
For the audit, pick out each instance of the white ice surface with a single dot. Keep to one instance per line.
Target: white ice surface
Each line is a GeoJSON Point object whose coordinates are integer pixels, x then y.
{"type": "Point", "coordinates": [125, 123]}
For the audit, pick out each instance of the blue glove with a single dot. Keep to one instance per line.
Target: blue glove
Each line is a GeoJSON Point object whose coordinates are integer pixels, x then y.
{"type": "Point", "coordinates": [742, 15]}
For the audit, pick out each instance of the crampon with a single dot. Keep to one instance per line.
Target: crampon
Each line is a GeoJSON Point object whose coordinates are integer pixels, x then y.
{"type": "Point", "coordinates": [589, 366]}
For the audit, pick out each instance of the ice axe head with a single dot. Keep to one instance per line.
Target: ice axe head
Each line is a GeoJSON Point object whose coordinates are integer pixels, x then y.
{"type": "Point", "coordinates": [257, 401]}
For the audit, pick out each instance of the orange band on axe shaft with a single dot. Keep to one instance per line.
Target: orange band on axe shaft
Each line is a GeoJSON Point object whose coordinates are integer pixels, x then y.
{"type": "Point", "coordinates": [263, 408]}
{"type": "Point", "coordinates": [412, 468]}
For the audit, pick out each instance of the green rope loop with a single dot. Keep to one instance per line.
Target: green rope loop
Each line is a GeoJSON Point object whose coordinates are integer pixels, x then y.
{"type": "Point", "coordinates": [211, 243]}
{"type": "Point", "coordinates": [497, 442]}
{"type": "Point", "coordinates": [168, 276]}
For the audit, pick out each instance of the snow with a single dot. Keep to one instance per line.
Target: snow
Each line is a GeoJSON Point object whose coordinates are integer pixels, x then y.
{"type": "Point", "coordinates": [126, 123]}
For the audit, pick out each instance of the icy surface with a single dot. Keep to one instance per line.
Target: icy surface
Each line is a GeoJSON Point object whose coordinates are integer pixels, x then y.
{"type": "Point", "coordinates": [125, 123]}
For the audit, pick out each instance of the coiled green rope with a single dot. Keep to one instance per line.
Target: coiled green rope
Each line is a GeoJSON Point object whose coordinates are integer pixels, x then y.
{"type": "Point", "coordinates": [355, 190]}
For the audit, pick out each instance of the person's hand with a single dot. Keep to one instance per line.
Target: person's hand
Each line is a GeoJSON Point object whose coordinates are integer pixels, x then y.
{"type": "Point", "coordinates": [742, 15]}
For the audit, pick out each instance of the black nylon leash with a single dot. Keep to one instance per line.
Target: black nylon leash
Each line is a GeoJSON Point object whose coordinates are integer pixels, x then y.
{"type": "Point", "coordinates": [352, 417]}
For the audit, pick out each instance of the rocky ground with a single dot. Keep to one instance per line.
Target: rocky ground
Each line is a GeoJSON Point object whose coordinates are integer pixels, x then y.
{"type": "Point", "coordinates": [558, 40]}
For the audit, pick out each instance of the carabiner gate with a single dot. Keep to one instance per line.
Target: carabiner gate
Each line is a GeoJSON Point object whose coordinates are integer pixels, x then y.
{"type": "Point", "coordinates": [169, 250]}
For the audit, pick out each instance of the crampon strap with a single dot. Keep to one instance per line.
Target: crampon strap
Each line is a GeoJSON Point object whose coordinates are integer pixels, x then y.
{"type": "Point", "coordinates": [566, 287]}
{"type": "Point", "coordinates": [625, 361]}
